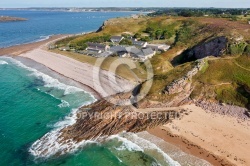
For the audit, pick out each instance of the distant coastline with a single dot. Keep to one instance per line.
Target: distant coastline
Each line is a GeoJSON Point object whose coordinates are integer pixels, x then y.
{"type": "Point", "coordinates": [73, 9]}
{"type": "Point", "coordinates": [10, 19]}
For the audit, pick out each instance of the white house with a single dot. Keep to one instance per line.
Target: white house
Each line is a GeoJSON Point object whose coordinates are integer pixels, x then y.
{"type": "Point", "coordinates": [97, 47]}
{"type": "Point", "coordinates": [158, 47]}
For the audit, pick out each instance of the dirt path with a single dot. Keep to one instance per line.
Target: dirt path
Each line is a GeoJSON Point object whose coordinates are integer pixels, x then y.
{"type": "Point", "coordinates": [242, 66]}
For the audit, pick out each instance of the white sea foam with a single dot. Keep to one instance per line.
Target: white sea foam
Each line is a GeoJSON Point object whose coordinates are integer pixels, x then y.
{"type": "Point", "coordinates": [126, 144]}
{"type": "Point", "coordinates": [48, 80]}
{"type": "Point", "coordinates": [53, 143]}
{"type": "Point", "coordinates": [43, 38]}
{"type": "Point", "coordinates": [133, 142]}
{"type": "Point", "coordinates": [54, 83]}
{"type": "Point", "coordinates": [3, 62]}
{"type": "Point", "coordinates": [63, 104]}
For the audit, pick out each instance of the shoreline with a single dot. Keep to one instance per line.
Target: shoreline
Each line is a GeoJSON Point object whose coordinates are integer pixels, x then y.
{"type": "Point", "coordinates": [79, 84]}
{"type": "Point", "coordinates": [185, 145]}
{"type": "Point", "coordinates": [209, 136]}
{"type": "Point", "coordinates": [23, 48]}
{"type": "Point", "coordinates": [16, 50]}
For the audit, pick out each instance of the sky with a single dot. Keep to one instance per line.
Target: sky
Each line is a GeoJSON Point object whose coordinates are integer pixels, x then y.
{"type": "Point", "coordinates": [125, 3]}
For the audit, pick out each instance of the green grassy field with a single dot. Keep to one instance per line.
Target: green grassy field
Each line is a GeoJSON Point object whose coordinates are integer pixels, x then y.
{"type": "Point", "coordinates": [224, 81]}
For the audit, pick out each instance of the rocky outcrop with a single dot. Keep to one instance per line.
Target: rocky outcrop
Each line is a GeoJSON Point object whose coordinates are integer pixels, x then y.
{"type": "Point", "coordinates": [103, 118]}
{"type": "Point", "coordinates": [179, 85]}
{"type": "Point", "coordinates": [103, 26]}
{"type": "Point", "coordinates": [100, 119]}
{"type": "Point", "coordinates": [8, 19]}
{"type": "Point", "coordinates": [224, 109]}
{"type": "Point", "coordinates": [214, 47]}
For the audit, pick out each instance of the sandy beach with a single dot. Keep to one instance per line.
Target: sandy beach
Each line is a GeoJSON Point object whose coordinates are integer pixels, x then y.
{"type": "Point", "coordinates": [103, 82]}
{"type": "Point", "coordinates": [219, 139]}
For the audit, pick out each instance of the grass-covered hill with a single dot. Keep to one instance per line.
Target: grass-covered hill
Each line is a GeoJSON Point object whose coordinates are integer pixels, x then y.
{"type": "Point", "coordinates": [226, 43]}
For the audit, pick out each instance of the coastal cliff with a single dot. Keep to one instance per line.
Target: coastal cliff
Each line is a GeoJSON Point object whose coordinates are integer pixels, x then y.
{"type": "Point", "coordinates": [214, 47]}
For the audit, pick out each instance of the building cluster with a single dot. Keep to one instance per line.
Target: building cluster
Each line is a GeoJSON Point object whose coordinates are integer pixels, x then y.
{"type": "Point", "coordinates": [139, 50]}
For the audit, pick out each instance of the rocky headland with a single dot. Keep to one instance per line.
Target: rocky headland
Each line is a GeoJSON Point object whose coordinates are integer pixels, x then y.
{"type": "Point", "coordinates": [9, 19]}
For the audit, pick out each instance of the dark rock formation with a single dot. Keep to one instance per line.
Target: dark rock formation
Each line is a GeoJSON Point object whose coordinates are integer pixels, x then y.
{"type": "Point", "coordinates": [99, 120]}
{"type": "Point", "coordinates": [8, 19]}
{"type": "Point", "coordinates": [214, 47]}
{"type": "Point", "coordinates": [103, 26]}
{"type": "Point", "coordinates": [104, 118]}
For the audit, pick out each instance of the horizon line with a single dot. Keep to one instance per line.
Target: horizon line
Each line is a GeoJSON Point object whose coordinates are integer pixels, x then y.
{"type": "Point", "coordinates": [130, 7]}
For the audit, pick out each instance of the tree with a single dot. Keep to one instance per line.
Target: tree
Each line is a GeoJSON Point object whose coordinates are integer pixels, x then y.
{"type": "Point", "coordinates": [137, 35]}
{"type": "Point", "coordinates": [233, 18]}
{"type": "Point", "coordinates": [167, 34]}
{"type": "Point", "coordinates": [149, 30]}
{"type": "Point", "coordinates": [158, 34]}
{"type": "Point", "coordinates": [126, 36]}
{"type": "Point", "coordinates": [152, 35]}
{"type": "Point", "coordinates": [247, 50]}
{"type": "Point", "coordinates": [186, 13]}
{"type": "Point", "coordinates": [145, 39]}
{"type": "Point", "coordinates": [126, 42]}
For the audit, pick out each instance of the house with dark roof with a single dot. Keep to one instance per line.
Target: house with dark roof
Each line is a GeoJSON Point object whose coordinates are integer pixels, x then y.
{"type": "Point", "coordinates": [139, 43]}
{"type": "Point", "coordinates": [133, 52]}
{"type": "Point", "coordinates": [97, 47]}
{"type": "Point", "coordinates": [116, 39]}
{"type": "Point", "coordinates": [148, 53]}
{"type": "Point", "coordinates": [119, 50]}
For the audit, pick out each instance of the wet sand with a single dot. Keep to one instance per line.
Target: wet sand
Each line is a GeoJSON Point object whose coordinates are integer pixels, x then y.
{"type": "Point", "coordinates": [219, 139]}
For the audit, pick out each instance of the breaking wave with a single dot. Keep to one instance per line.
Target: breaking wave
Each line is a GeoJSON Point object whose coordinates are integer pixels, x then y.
{"type": "Point", "coordinates": [133, 142]}
{"type": "Point", "coordinates": [3, 62]}
{"type": "Point", "coordinates": [48, 80]}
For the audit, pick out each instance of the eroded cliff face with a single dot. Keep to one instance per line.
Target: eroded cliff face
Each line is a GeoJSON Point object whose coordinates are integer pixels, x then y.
{"type": "Point", "coordinates": [214, 47]}
{"type": "Point", "coordinates": [102, 26]}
